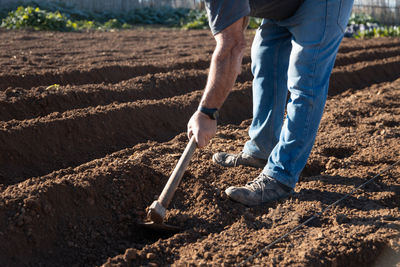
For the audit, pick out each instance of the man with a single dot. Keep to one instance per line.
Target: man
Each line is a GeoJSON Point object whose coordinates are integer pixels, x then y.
{"type": "Point", "coordinates": [294, 50]}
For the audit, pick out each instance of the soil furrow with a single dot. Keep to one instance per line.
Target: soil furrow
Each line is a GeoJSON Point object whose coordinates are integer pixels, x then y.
{"type": "Point", "coordinates": [92, 209]}
{"type": "Point", "coordinates": [364, 55]}
{"type": "Point", "coordinates": [77, 214]}
{"type": "Point", "coordinates": [22, 104]}
{"type": "Point", "coordinates": [350, 45]}
{"type": "Point", "coordinates": [93, 132]}
{"type": "Point", "coordinates": [59, 140]}
{"type": "Point", "coordinates": [117, 73]}
{"type": "Point", "coordinates": [61, 52]}
{"type": "Point", "coordinates": [105, 74]}
{"type": "Point", "coordinates": [362, 74]}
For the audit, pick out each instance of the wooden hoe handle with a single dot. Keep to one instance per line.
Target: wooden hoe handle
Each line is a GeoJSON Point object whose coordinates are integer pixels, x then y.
{"type": "Point", "coordinates": [176, 176]}
{"type": "Point", "coordinates": [158, 208]}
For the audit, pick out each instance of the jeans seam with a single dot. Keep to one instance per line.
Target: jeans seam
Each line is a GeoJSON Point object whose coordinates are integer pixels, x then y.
{"type": "Point", "coordinates": [338, 17]}
{"type": "Point", "coordinates": [276, 57]}
{"type": "Point", "coordinates": [317, 52]}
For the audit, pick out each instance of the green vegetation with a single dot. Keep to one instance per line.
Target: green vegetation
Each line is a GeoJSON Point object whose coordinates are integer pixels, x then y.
{"type": "Point", "coordinates": [37, 19]}
{"type": "Point", "coordinates": [361, 19]}
{"type": "Point", "coordinates": [254, 23]}
{"type": "Point", "coordinates": [57, 17]}
{"type": "Point", "coordinates": [162, 16]}
{"type": "Point", "coordinates": [196, 19]}
{"type": "Point", "coordinates": [362, 26]}
{"type": "Point", "coordinates": [386, 31]}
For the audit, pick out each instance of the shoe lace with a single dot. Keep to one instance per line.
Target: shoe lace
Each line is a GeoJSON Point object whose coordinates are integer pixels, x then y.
{"type": "Point", "coordinates": [236, 159]}
{"type": "Point", "coordinates": [258, 183]}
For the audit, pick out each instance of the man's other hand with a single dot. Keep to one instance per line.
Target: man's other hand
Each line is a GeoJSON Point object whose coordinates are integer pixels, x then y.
{"type": "Point", "coordinates": [202, 127]}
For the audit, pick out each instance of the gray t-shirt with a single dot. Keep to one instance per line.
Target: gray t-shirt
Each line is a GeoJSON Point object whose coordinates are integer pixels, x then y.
{"type": "Point", "coordinates": [223, 13]}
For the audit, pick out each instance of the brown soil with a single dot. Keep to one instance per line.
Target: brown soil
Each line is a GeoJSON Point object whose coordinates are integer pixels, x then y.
{"type": "Point", "coordinates": [82, 160]}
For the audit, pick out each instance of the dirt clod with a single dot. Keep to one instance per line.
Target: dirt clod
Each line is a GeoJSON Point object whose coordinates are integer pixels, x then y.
{"type": "Point", "coordinates": [130, 254]}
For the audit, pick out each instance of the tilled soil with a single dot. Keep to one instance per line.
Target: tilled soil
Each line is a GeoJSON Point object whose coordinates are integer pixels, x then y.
{"type": "Point", "coordinates": [92, 125]}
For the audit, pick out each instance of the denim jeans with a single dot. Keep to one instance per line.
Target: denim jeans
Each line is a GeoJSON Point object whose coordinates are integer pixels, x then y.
{"type": "Point", "coordinates": [294, 55]}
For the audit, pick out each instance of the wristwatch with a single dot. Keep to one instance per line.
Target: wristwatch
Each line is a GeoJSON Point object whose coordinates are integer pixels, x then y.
{"type": "Point", "coordinates": [210, 112]}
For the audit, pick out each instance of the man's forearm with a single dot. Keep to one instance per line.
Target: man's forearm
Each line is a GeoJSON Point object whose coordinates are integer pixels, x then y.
{"type": "Point", "coordinates": [225, 64]}
{"type": "Point", "coordinates": [225, 67]}
{"type": "Point", "coordinates": [224, 70]}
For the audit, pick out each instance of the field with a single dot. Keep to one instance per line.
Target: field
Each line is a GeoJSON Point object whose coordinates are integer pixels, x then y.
{"type": "Point", "coordinates": [92, 125]}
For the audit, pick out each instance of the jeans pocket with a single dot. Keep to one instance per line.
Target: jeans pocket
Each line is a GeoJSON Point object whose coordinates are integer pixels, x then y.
{"type": "Point", "coordinates": [345, 7]}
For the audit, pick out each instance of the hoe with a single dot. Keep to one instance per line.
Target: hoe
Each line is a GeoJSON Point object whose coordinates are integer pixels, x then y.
{"type": "Point", "coordinates": [156, 213]}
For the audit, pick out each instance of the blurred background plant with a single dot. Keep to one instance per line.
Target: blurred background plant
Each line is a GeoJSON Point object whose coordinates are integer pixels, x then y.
{"type": "Point", "coordinates": [59, 17]}
{"type": "Point", "coordinates": [195, 19]}
{"type": "Point", "coordinates": [380, 31]}
{"type": "Point", "coordinates": [364, 26]}
{"type": "Point", "coordinates": [37, 19]}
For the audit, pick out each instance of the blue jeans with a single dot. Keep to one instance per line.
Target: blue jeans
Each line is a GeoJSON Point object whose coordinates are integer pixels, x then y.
{"type": "Point", "coordinates": [296, 55]}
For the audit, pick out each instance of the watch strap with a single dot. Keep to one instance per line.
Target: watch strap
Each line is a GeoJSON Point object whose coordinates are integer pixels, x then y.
{"type": "Point", "coordinates": [210, 112]}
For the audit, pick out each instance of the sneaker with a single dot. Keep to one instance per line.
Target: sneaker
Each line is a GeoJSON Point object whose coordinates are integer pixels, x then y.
{"type": "Point", "coordinates": [260, 191]}
{"type": "Point", "coordinates": [234, 160]}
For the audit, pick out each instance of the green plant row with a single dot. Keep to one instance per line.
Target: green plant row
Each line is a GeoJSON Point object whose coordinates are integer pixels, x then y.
{"type": "Point", "coordinates": [386, 31]}
{"type": "Point", "coordinates": [38, 19]}
{"type": "Point", "coordinates": [361, 18]}
{"type": "Point", "coordinates": [195, 19]}
{"type": "Point", "coordinates": [362, 26]}
{"type": "Point", "coordinates": [35, 18]}
{"type": "Point", "coordinates": [146, 15]}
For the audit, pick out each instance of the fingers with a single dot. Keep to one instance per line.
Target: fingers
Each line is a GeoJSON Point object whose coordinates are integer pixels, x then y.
{"type": "Point", "coordinates": [197, 137]}
{"type": "Point", "coordinates": [202, 128]}
{"type": "Point", "coordinates": [201, 140]}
